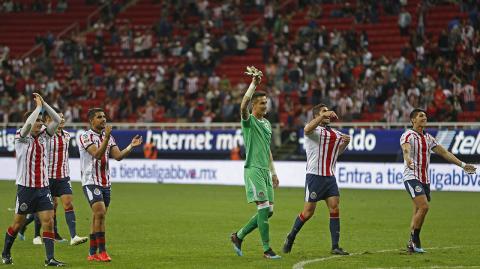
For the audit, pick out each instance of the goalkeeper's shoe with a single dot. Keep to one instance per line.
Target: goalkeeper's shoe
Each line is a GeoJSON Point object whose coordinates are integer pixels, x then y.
{"type": "Point", "coordinates": [269, 254]}
{"type": "Point", "coordinates": [237, 244]}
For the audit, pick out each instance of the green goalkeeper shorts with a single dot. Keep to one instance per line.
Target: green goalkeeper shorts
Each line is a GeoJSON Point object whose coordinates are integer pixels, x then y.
{"type": "Point", "coordinates": [258, 185]}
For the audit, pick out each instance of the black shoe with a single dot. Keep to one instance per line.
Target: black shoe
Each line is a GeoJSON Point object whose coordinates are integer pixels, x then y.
{"type": "Point", "coordinates": [7, 259]}
{"type": "Point", "coordinates": [269, 254]}
{"type": "Point", "coordinates": [339, 251]}
{"type": "Point", "coordinates": [287, 245]}
{"type": "Point", "coordinates": [237, 244]}
{"type": "Point", "coordinates": [53, 262]}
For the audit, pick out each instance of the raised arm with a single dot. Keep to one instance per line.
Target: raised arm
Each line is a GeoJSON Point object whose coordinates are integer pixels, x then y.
{"type": "Point", "coordinates": [448, 156]}
{"type": "Point", "coordinates": [27, 127]}
{"type": "Point", "coordinates": [98, 153]}
{"type": "Point", "coordinates": [52, 126]}
{"type": "Point", "coordinates": [256, 78]}
{"type": "Point", "coordinates": [120, 155]}
{"type": "Point", "coordinates": [310, 127]}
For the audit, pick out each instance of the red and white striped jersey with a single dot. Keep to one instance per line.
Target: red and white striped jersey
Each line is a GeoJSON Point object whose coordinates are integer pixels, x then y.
{"type": "Point", "coordinates": [322, 147]}
{"type": "Point", "coordinates": [31, 156]}
{"type": "Point", "coordinates": [57, 148]}
{"type": "Point", "coordinates": [420, 149]}
{"type": "Point", "coordinates": [94, 172]}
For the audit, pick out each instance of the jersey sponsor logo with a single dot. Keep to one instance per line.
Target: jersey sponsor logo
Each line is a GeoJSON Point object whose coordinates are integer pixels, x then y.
{"type": "Point", "coordinates": [418, 189]}
{"type": "Point", "coordinates": [313, 195]}
{"type": "Point", "coordinates": [96, 191]}
{"type": "Point", "coordinates": [23, 207]}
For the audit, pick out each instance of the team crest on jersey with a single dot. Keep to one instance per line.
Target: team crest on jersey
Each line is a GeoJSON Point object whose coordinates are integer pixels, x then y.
{"type": "Point", "coordinates": [418, 189]}
{"type": "Point", "coordinates": [23, 207]}
{"type": "Point", "coordinates": [313, 195]}
{"type": "Point", "coordinates": [85, 138]}
{"type": "Point", "coordinates": [96, 191]}
{"type": "Point", "coordinates": [261, 194]}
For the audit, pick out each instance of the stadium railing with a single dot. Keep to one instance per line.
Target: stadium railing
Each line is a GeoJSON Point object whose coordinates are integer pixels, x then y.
{"type": "Point", "coordinates": [236, 125]}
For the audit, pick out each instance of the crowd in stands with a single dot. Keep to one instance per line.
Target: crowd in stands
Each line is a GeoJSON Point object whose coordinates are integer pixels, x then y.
{"type": "Point", "coordinates": [312, 66]}
{"type": "Point", "coordinates": [41, 6]}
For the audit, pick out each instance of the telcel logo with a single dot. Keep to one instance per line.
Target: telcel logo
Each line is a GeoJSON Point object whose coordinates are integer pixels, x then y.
{"type": "Point", "coordinates": [466, 145]}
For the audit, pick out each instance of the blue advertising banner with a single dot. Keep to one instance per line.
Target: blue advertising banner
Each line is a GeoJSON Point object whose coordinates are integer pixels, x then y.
{"type": "Point", "coordinates": [166, 141]}
{"type": "Point", "coordinates": [387, 142]}
{"type": "Point", "coordinates": [363, 141]}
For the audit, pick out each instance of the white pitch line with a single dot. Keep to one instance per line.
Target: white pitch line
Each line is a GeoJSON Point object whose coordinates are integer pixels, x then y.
{"type": "Point", "coordinates": [428, 267]}
{"type": "Point", "coordinates": [301, 264]}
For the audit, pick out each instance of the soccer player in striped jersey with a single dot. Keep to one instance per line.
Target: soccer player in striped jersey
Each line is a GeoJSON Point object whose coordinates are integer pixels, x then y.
{"type": "Point", "coordinates": [323, 145]}
{"type": "Point", "coordinates": [96, 145]}
{"type": "Point", "coordinates": [59, 178]}
{"type": "Point", "coordinates": [259, 173]}
{"type": "Point", "coordinates": [33, 194]}
{"type": "Point", "coordinates": [416, 147]}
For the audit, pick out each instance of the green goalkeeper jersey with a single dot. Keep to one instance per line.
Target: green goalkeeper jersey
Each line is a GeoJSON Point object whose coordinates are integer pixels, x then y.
{"type": "Point", "coordinates": [257, 135]}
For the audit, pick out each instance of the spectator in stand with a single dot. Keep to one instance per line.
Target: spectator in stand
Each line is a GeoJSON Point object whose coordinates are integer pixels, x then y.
{"type": "Point", "coordinates": [404, 21]}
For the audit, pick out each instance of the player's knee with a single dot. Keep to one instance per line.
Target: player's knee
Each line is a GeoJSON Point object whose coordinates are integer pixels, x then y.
{"type": "Point", "coordinates": [68, 206]}
{"type": "Point", "coordinates": [100, 214]}
{"type": "Point", "coordinates": [334, 209]}
{"type": "Point", "coordinates": [47, 223]}
{"type": "Point", "coordinates": [424, 208]}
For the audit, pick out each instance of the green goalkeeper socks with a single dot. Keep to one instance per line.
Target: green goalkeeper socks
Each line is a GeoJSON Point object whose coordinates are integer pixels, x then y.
{"type": "Point", "coordinates": [248, 228]}
{"type": "Point", "coordinates": [263, 227]}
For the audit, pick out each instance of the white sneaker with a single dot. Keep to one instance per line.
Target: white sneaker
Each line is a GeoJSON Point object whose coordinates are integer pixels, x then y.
{"type": "Point", "coordinates": [77, 240]}
{"type": "Point", "coordinates": [37, 240]}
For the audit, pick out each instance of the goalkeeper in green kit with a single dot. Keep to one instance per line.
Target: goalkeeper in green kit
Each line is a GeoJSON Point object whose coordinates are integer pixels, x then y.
{"type": "Point", "coordinates": [259, 173]}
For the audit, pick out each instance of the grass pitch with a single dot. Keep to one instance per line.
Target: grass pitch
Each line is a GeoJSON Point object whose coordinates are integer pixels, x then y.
{"type": "Point", "coordinates": [188, 226]}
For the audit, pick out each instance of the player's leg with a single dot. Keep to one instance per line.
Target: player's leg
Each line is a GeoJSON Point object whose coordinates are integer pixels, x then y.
{"type": "Point", "coordinates": [421, 203]}
{"type": "Point", "coordinates": [265, 213]}
{"type": "Point", "coordinates": [333, 203]}
{"type": "Point", "coordinates": [58, 238]}
{"type": "Point", "coordinates": [66, 196]}
{"type": "Point", "coordinates": [306, 214]}
{"type": "Point", "coordinates": [67, 202]}
{"type": "Point", "coordinates": [53, 185]}
{"type": "Point", "coordinates": [332, 199]}
{"type": "Point", "coordinates": [100, 218]}
{"type": "Point", "coordinates": [37, 240]}
{"type": "Point", "coordinates": [48, 235]}
{"type": "Point", "coordinates": [10, 235]}
{"type": "Point", "coordinates": [420, 195]}
{"type": "Point", "coordinates": [92, 255]}
{"type": "Point", "coordinates": [29, 219]}
{"type": "Point", "coordinates": [313, 193]}
{"type": "Point", "coordinates": [237, 237]}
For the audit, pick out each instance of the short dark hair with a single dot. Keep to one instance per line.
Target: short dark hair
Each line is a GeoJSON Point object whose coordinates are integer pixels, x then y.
{"type": "Point", "coordinates": [28, 113]}
{"type": "Point", "coordinates": [258, 94]}
{"type": "Point", "coordinates": [415, 112]}
{"type": "Point", "coordinates": [316, 109]}
{"type": "Point", "coordinates": [92, 111]}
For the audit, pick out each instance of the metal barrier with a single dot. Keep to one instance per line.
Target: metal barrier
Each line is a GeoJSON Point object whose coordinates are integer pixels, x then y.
{"type": "Point", "coordinates": [236, 125]}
